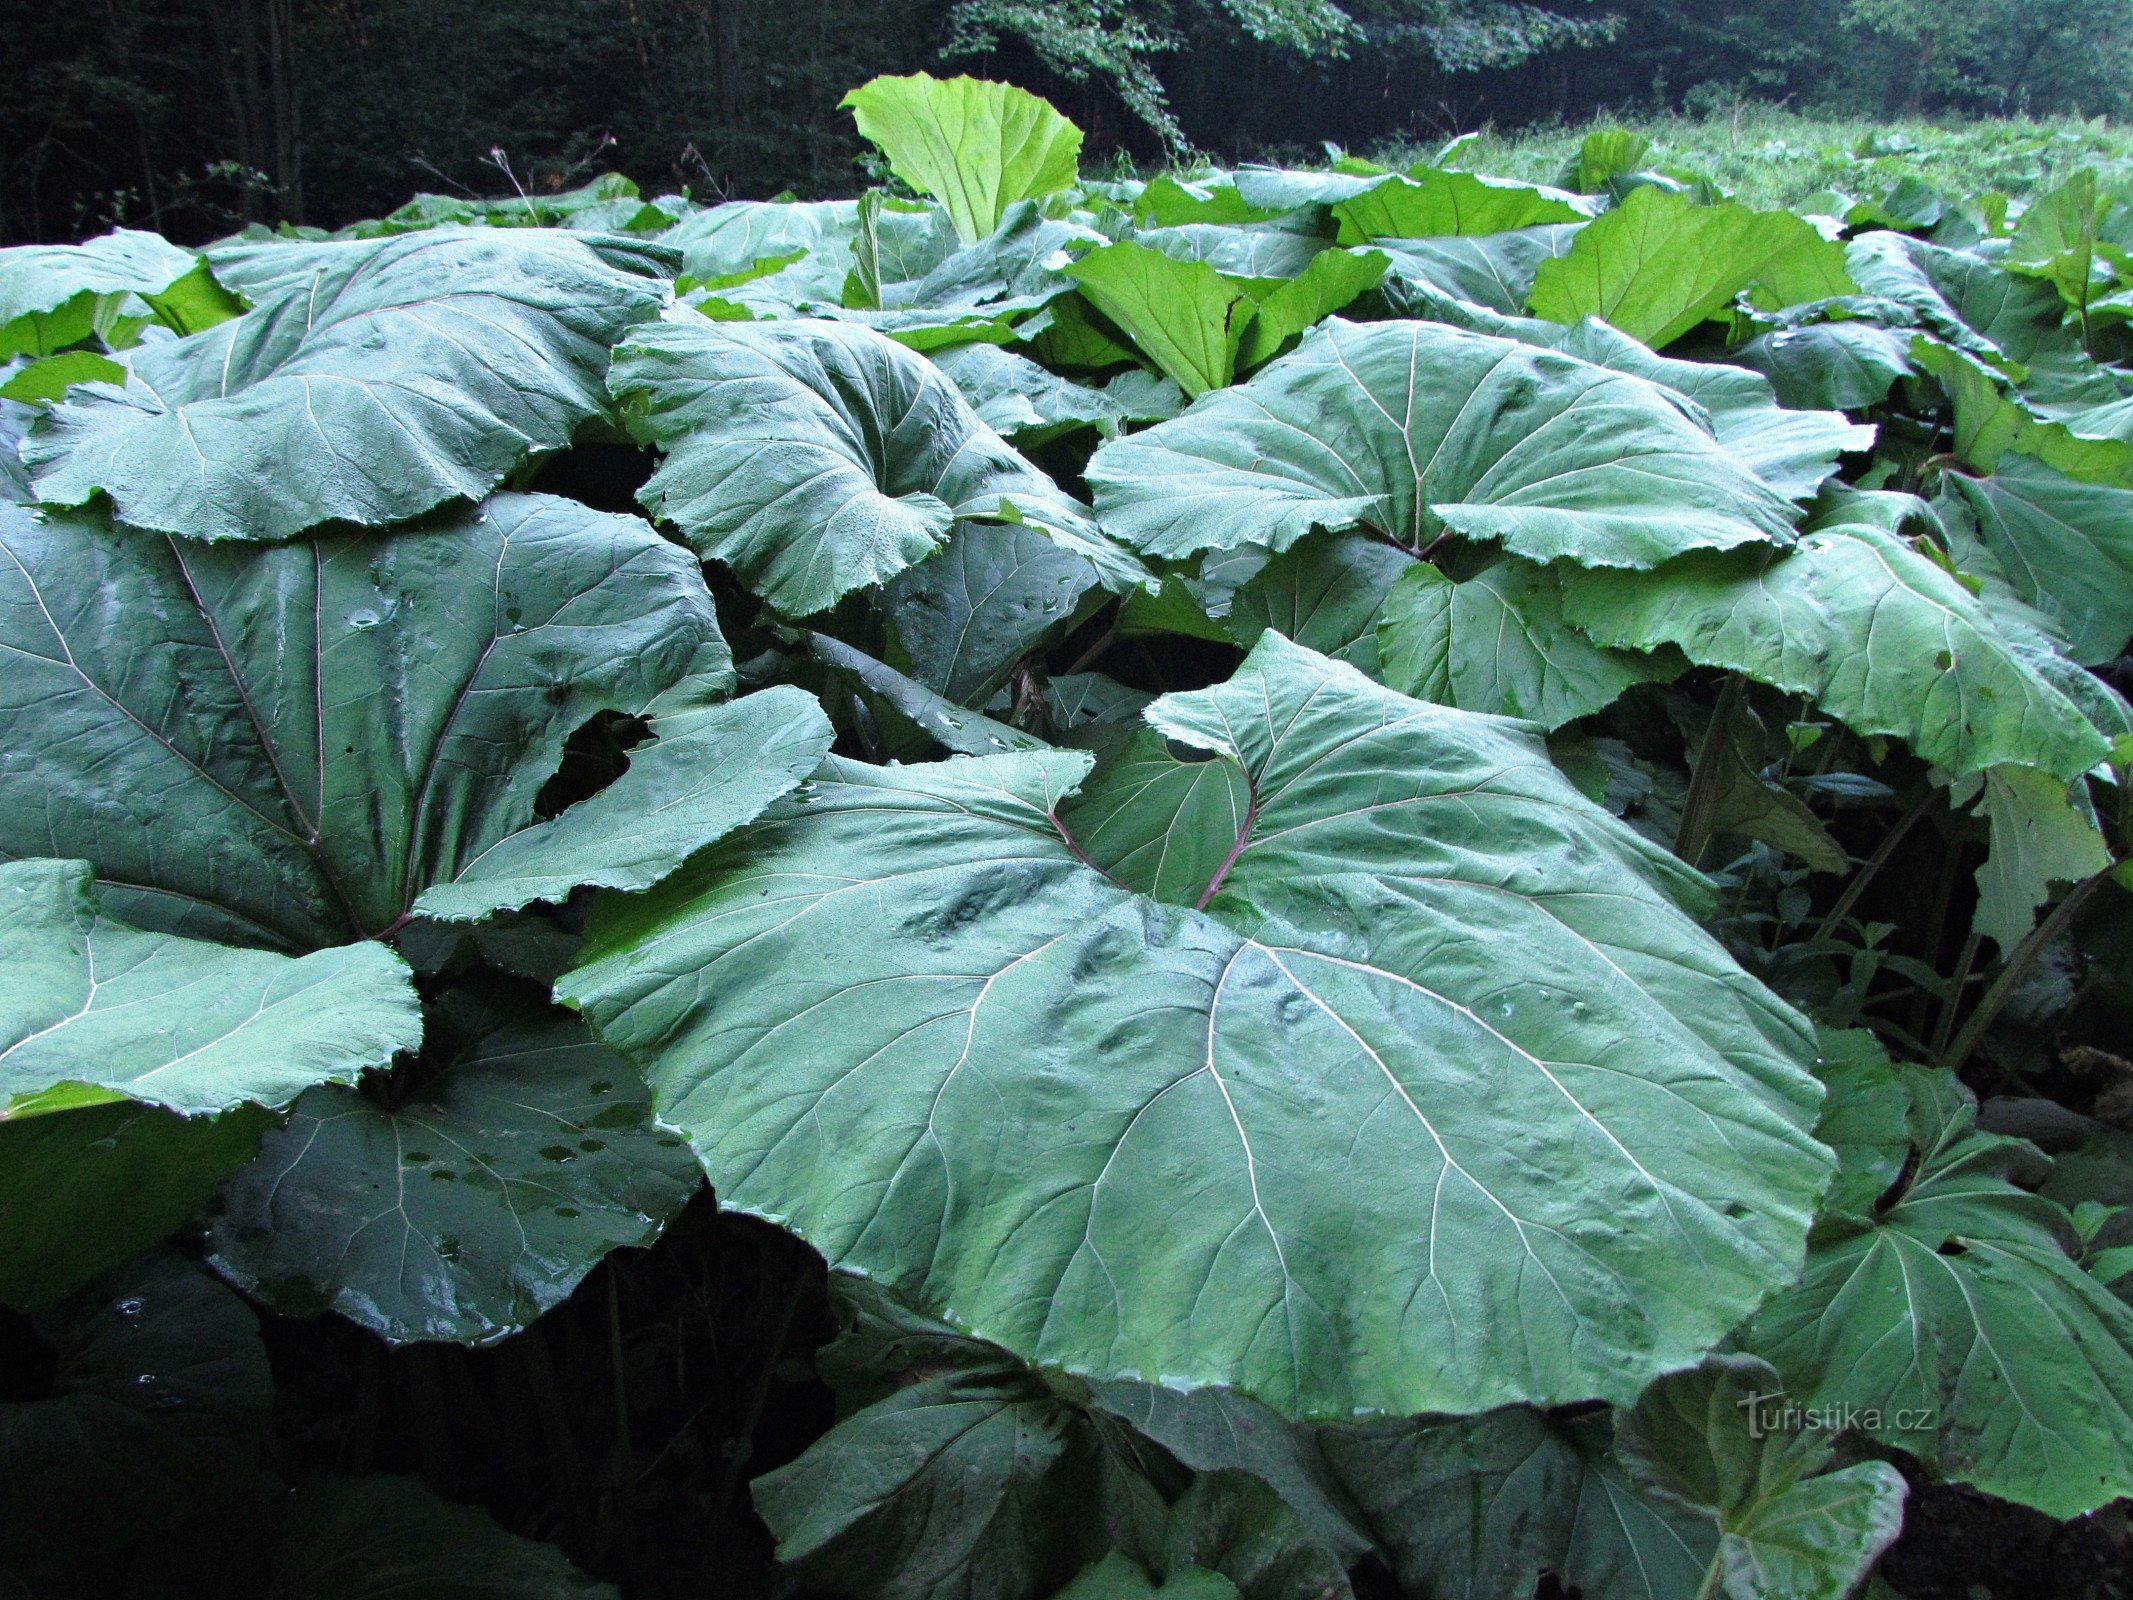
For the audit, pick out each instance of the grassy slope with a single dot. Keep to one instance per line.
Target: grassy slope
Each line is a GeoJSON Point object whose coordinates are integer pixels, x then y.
{"type": "Point", "coordinates": [1772, 157]}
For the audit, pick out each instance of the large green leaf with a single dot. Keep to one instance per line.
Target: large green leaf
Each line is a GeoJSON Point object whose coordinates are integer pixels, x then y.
{"type": "Point", "coordinates": [1496, 642]}
{"type": "Point", "coordinates": [1951, 1322]}
{"type": "Point", "coordinates": [468, 1209]}
{"type": "Point", "coordinates": [1699, 1439]}
{"type": "Point", "coordinates": [1209, 1141]}
{"type": "Point", "coordinates": [1793, 452]}
{"type": "Point", "coordinates": [1454, 203]}
{"type": "Point", "coordinates": [974, 145]}
{"type": "Point", "coordinates": [1878, 634]}
{"type": "Point", "coordinates": [956, 1471]}
{"type": "Point", "coordinates": [1480, 1508]}
{"type": "Point", "coordinates": [54, 295]}
{"type": "Point", "coordinates": [90, 1180]}
{"type": "Point", "coordinates": [1186, 317]}
{"type": "Point", "coordinates": [1495, 272]}
{"type": "Point", "coordinates": [816, 457]}
{"type": "Point", "coordinates": [2037, 839]}
{"type": "Point", "coordinates": [712, 765]}
{"type": "Point", "coordinates": [1018, 266]}
{"type": "Point", "coordinates": [179, 1023]}
{"type": "Point", "coordinates": [1841, 365]}
{"type": "Point", "coordinates": [1277, 252]}
{"type": "Point", "coordinates": [968, 613]}
{"type": "Point", "coordinates": [378, 379]}
{"type": "Point", "coordinates": [725, 240]}
{"type": "Point", "coordinates": [1332, 280]}
{"type": "Point", "coordinates": [290, 746]}
{"type": "Point", "coordinates": [2066, 546]}
{"type": "Point", "coordinates": [1013, 395]}
{"type": "Point", "coordinates": [1961, 297]}
{"type": "Point", "coordinates": [1418, 429]}
{"type": "Point", "coordinates": [1324, 593]}
{"type": "Point", "coordinates": [1658, 264]}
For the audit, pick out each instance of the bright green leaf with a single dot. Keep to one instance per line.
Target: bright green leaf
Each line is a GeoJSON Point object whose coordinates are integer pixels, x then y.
{"type": "Point", "coordinates": [974, 145]}
{"type": "Point", "coordinates": [1658, 264]}
{"type": "Point", "coordinates": [1187, 317]}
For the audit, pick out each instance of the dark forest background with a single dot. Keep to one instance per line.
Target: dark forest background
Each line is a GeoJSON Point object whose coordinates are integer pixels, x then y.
{"type": "Point", "coordinates": [196, 116]}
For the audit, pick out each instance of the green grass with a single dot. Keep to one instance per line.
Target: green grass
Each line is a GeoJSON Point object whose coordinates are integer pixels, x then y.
{"type": "Point", "coordinates": [1769, 156]}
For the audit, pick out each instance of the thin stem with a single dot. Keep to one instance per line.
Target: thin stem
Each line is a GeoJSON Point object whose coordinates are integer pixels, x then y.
{"type": "Point", "coordinates": [1103, 642]}
{"type": "Point", "coordinates": [1952, 1002]}
{"type": "Point", "coordinates": [2018, 964]}
{"type": "Point", "coordinates": [1873, 864]}
{"type": "Point", "coordinates": [1693, 837]}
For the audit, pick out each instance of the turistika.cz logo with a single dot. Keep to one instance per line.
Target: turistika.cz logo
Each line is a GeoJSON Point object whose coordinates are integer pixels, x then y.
{"type": "Point", "coordinates": [1779, 1413]}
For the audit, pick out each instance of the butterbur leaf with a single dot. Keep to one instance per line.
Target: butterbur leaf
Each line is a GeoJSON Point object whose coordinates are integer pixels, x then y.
{"type": "Point", "coordinates": [974, 145]}
{"type": "Point", "coordinates": [1119, 1577]}
{"type": "Point", "coordinates": [1877, 634]}
{"type": "Point", "coordinates": [1497, 643]}
{"type": "Point", "coordinates": [725, 240]}
{"type": "Point", "coordinates": [682, 789]}
{"type": "Point", "coordinates": [50, 294]}
{"type": "Point", "coordinates": [1184, 315]}
{"type": "Point", "coordinates": [1481, 1507]}
{"type": "Point", "coordinates": [1495, 273]}
{"type": "Point", "coordinates": [142, 1449]}
{"type": "Point", "coordinates": [1325, 594]}
{"type": "Point", "coordinates": [1013, 395]}
{"type": "Point", "coordinates": [1786, 1528]}
{"type": "Point", "coordinates": [1959, 296]}
{"type": "Point", "coordinates": [467, 1210]}
{"type": "Point", "coordinates": [2037, 838]}
{"type": "Point", "coordinates": [952, 726]}
{"type": "Point", "coordinates": [1658, 264]}
{"type": "Point", "coordinates": [364, 715]}
{"type": "Point", "coordinates": [1951, 1322]}
{"type": "Point", "coordinates": [1791, 451]}
{"type": "Point", "coordinates": [42, 382]}
{"type": "Point", "coordinates": [967, 614]}
{"type": "Point", "coordinates": [1840, 365]}
{"type": "Point", "coordinates": [1230, 1534]}
{"type": "Point", "coordinates": [1603, 156]}
{"type": "Point", "coordinates": [1015, 268]}
{"type": "Point", "coordinates": [379, 1537]}
{"type": "Point", "coordinates": [1261, 256]}
{"type": "Point", "coordinates": [1450, 1089]}
{"type": "Point", "coordinates": [948, 1487]}
{"type": "Point", "coordinates": [1215, 1431]}
{"type": "Point", "coordinates": [1416, 429]}
{"type": "Point", "coordinates": [88, 1180]}
{"type": "Point", "coordinates": [2064, 546]}
{"type": "Point", "coordinates": [389, 376]}
{"type": "Point", "coordinates": [1331, 281]}
{"type": "Point", "coordinates": [180, 1023]}
{"type": "Point", "coordinates": [1456, 203]}
{"type": "Point", "coordinates": [815, 458]}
